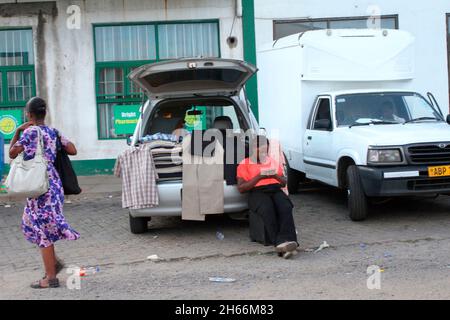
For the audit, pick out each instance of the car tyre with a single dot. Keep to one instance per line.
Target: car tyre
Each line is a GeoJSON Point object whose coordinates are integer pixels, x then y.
{"type": "Point", "coordinates": [294, 178]}
{"type": "Point", "coordinates": [357, 200]}
{"type": "Point", "coordinates": [138, 224]}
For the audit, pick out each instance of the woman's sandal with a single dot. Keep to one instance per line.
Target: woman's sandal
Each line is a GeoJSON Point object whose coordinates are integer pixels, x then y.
{"type": "Point", "coordinates": [52, 283]}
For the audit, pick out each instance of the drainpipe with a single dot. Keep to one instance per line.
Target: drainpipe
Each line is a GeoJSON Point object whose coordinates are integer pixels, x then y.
{"type": "Point", "coordinates": [239, 8]}
{"type": "Point", "coordinates": [248, 30]}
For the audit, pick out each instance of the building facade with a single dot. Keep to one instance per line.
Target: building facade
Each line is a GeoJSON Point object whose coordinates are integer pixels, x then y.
{"type": "Point", "coordinates": [428, 22]}
{"type": "Point", "coordinates": [77, 53]}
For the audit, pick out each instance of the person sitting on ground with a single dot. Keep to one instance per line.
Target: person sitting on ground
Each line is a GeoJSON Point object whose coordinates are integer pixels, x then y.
{"type": "Point", "coordinates": [262, 177]}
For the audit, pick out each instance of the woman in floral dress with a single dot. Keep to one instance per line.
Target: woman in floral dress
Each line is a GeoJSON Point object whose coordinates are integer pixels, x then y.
{"type": "Point", "coordinates": [43, 222]}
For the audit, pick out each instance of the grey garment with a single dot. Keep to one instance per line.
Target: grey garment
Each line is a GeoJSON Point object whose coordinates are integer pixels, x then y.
{"type": "Point", "coordinates": [203, 183]}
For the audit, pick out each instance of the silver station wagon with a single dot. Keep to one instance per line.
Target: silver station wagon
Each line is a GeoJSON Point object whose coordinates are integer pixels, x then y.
{"type": "Point", "coordinates": [214, 88]}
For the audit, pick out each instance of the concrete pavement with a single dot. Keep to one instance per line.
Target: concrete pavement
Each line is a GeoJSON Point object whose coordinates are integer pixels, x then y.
{"type": "Point", "coordinates": [407, 238]}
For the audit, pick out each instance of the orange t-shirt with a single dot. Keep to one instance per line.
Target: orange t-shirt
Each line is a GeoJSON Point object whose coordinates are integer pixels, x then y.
{"type": "Point", "coordinates": [247, 170]}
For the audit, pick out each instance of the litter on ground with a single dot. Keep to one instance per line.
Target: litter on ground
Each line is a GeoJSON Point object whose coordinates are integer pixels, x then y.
{"type": "Point", "coordinates": [220, 235]}
{"type": "Point", "coordinates": [322, 246]}
{"type": "Point", "coordinates": [222, 280]}
{"type": "Point", "coordinates": [154, 258]}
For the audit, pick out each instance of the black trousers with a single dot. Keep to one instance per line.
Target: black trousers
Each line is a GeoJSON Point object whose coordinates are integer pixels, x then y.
{"type": "Point", "coordinates": [275, 208]}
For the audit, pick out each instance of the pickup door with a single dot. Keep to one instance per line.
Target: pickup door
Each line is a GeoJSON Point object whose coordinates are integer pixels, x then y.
{"type": "Point", "coordinates": [318, 143]}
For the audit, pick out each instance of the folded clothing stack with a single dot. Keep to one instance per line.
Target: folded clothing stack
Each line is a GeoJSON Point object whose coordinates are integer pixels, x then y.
{"type": "Point", "coordinates": [160, 136]}
{"type": "Point", "coordinates": [167, 158]}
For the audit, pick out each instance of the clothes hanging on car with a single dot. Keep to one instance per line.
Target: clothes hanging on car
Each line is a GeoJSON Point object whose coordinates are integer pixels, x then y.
{"type": "Point", "coordinates": [166, 155]}
{"type": "Point", "coordinates": [136, 168]}
{"type": "Point", "coordinates": [203, 180]}
{"type": "Point", "coordinates": [168, 177]}
{"type": "Point", "coordinates": [160, 136]}
{"type": "Point", "coordinates": [169, 169]}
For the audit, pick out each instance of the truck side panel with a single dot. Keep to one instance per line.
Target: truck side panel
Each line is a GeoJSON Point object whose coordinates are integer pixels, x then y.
{"type": "Point", "coordinates": [280, 100]}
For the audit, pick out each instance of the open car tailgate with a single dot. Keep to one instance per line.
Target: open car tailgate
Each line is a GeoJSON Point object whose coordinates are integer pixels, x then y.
{"type": "Point", "coordinates": [190, 77]}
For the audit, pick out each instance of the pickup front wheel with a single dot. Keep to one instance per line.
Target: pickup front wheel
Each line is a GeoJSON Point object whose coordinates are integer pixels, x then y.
{"type": "Point", "coordinates": [357, 199]}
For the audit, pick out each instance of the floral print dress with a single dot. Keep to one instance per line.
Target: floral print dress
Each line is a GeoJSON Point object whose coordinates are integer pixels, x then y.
{"type": "Point", "coordinates": [43, 222]}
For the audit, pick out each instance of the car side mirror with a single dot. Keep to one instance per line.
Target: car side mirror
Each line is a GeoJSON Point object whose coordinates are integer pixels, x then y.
{"type": "Point", "coordinates": [448, 119]}
{"type": "Point", "coordinates": [322, 124]}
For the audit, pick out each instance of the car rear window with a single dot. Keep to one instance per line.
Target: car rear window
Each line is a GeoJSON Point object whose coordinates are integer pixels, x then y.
{"type": "Point", "coordinates": [197, 116]}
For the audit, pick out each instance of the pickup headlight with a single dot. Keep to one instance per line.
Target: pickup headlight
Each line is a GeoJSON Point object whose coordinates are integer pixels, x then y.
{"type": "Point", "coordinates": [380, 156]}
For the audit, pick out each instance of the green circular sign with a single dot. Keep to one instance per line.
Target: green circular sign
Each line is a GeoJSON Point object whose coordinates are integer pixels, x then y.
{"type": "Point", "coordinates": [8, 124]}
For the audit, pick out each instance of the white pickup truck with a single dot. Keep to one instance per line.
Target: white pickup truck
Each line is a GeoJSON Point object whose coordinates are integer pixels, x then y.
{"type": "Point", "coordinates": [343, 105]}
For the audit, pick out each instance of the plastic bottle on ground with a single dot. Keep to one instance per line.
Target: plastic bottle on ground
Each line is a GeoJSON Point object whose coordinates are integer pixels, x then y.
{"type": "Point", "coordinates": [86, 271]}
{"type": "Point", "coordinates": [220, 235]}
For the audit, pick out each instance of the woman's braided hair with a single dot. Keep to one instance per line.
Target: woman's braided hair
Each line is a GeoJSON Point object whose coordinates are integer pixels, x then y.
{"type": "Point", "coordinates": [37, 107]}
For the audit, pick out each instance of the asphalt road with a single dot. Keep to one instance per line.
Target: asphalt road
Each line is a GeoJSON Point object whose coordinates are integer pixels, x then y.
{"type": "Point", "coordinates": [408, 241]}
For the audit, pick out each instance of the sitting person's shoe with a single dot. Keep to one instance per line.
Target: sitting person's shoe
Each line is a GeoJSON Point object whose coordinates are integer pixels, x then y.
{"type": "Point", "coordinates": [286, 246]}
{"type": "Point", "coordinates": [288, 254]}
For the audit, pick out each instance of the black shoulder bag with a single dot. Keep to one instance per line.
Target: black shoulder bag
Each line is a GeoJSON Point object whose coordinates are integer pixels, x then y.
{"type": "Point", "coordinates": [65, 170]}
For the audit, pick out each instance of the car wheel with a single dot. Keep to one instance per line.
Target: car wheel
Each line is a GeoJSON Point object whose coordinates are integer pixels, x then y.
{"type": "Point", "coordinates": [294, 178]}
{"type": "Point", "coordinates": [357, 199]}
{"type": "Point", "coordinates": [138, 225]}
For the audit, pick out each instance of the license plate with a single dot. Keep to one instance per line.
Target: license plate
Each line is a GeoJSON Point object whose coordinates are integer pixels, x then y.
{"type": "Point", "coordinates": [440, 171]}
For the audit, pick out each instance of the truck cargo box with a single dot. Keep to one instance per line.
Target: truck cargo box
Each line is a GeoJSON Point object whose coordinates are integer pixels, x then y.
{"type": "Point", "coordinates": [296, 69]}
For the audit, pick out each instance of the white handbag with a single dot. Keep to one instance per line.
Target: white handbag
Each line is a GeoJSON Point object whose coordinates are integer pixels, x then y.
{"type": "Point", "coordinates": [29, 178]}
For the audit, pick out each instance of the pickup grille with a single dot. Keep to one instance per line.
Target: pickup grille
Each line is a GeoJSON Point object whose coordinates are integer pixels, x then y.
{"type": "Point", "coordinates": [436, 153]}
{"type": "Point", "coordinates": [429, 184]}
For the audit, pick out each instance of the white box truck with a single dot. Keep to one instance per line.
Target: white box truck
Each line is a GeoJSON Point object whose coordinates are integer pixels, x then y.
{"type": "Point", "coordinates": [343, 105]}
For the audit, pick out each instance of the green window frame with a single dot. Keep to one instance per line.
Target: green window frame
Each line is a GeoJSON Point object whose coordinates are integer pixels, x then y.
{"type": "Point", "coordinates": [17, 75]}
{"type": "Point", "coordinates": [111, 83]}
